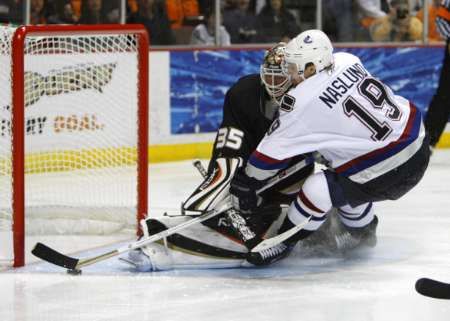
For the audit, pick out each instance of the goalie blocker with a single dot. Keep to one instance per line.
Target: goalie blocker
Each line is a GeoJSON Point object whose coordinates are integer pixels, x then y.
{"type": "Point", "coordinates": [223, 241]}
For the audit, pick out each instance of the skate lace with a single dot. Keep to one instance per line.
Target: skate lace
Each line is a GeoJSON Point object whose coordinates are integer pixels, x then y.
{"type": "Point", "coordinates": [273, 251]}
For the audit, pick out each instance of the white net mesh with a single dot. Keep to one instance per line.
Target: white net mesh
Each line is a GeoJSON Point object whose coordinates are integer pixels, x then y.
{"type": "Point", "coordinates": [6, 250]}
{"type": "Point", "coordinates": [81, 133]}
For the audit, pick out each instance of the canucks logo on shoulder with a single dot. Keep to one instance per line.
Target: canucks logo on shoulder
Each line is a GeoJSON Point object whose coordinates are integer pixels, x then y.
{"type": "Point", "coordinates": [288, 103]}
{"type": "Point", "coordinates": [308, 39]}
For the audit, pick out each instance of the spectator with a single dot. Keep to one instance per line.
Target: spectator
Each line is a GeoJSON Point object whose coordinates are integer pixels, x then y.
{"type": "Point", "coordinates": [398, 25]}
{"type": "Point", "coordinates": [4, 11]}
{"type": "Point", "coordinates": [229, 4]}
{"type": "Point", "coordinates": [204, 34]}
{"type": "Point", "coordinates": [99, 11]}
{"type": "Point", "coordinates": [37, 12]}
{"type": "Point", "coordinates": [209, 5]}
{"type": "Point", "coordinates": [76, 7]}
{"type": "Point", "coordinates": [433, 34]}
{"type": "Point", "coordinates": [339, 20]}
{"type": "Point", "coordinates": [132, 6]}
{"type": "Point", "coordinates": [152, 14]}
{"type": "Point", "coordinates": [42, 12]}
{"type": "Point", "coordinates": [68, 12]}
{"type": "Point", "coordinates": [91, 12]}
{"type": "Point", "coordinates": [275, 23]}
{"type": "Point", "coordinates": [179, 11]}
{"type": "Point", "coordinates": [240, 22]}
{"type": "Point", "coordinates": [205, 6]}
{"type": "Point", "coordinates": [369, 11]}
{"type": "Point", "coordinates": [11, 11]}
{"type": "Point", "coordinates": [112, 11]}
{"type": "Point", "coordinates": [259, 5]}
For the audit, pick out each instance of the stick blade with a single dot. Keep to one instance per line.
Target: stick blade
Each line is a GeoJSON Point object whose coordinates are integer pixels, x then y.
{"type": "Point", "coordinates": [48, 254]}
{"type": "Point", "coordinates": [433, 288]}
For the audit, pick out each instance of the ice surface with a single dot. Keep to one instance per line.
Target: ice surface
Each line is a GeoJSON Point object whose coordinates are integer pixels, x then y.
{"type": "Point", "coordinates": [378, 284]}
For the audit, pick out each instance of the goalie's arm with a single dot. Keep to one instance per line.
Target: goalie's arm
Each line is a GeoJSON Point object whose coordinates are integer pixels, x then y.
{"type": "Point", "coordinates": [234, 137]}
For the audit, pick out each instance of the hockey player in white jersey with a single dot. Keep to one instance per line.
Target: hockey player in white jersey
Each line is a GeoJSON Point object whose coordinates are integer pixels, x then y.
{"type": "Point", "coordinates": [372, 140]}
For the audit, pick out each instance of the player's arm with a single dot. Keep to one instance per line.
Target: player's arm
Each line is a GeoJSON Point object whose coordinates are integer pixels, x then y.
{"type": "Point", "coordinates": [229, 150]}
{"type": "Point", "coordinates": [272, 155]}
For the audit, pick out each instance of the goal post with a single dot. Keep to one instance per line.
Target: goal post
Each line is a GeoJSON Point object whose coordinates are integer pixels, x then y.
{"type": "Point", "coordinates": [76, 141]}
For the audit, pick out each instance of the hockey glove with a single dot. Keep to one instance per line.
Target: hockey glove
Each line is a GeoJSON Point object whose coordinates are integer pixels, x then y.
{"type": "Point", "coordinates": [243, 192]}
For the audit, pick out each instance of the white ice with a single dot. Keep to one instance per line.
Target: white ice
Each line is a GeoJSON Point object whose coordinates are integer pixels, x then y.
{"type": "Point", "coordinates": [378, 284]}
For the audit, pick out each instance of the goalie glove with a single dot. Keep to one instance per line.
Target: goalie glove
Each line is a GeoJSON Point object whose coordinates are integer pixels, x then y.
{"type": "Point", "coordinates": [243, 190]}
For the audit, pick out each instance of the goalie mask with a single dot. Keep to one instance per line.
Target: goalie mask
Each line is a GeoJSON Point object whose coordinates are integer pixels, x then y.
{"type": "Point", "coordinates": [276, 82]}
{"type": "Point", "coordinates": [311, 47]}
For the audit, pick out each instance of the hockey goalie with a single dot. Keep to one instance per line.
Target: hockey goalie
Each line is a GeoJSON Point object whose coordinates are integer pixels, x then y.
{"type": "Point", "coordinates": [225, 241]}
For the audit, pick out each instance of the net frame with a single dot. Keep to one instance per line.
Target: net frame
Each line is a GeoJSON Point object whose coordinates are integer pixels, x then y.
{"type": "Point", "coordinates": [18, 117]}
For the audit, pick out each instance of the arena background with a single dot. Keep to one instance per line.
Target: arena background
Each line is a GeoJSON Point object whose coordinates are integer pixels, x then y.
{"type": "Point", "coordinates": [188, 86]}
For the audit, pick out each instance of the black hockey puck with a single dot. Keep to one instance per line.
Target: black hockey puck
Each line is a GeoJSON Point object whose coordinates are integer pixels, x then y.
{"type": "Point", "coordinates": [74, 272]}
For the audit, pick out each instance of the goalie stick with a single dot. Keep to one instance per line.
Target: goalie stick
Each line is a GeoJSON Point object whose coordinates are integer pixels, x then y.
{"type": "Point", "coordinates": [50, 255]}
{"type": "Point", "coordinates": [433, 289]}
{"type": "Point", "coordinates": [74, 265]}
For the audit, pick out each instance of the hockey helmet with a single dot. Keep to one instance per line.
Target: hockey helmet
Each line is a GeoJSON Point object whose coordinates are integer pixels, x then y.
{"type": "Point", "coordinates": [276, 82]}
{"type": "Point", "coordinates": [309, 47]}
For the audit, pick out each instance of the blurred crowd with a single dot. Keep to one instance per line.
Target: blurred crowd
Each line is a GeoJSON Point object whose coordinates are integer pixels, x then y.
{"type": "Point", "coordinates": [181, 22]}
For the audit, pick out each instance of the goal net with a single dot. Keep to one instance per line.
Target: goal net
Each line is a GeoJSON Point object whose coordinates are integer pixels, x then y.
{"type": "Point", "coordinates": [73, 131]}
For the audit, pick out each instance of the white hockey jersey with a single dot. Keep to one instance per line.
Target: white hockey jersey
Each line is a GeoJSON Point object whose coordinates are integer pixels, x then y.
{"type": "Point", "coordinates": [352, 119]}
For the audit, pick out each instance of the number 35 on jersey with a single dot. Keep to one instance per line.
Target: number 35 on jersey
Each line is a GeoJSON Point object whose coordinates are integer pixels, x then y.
{"type": "Point", "coordinates": [229, 137]}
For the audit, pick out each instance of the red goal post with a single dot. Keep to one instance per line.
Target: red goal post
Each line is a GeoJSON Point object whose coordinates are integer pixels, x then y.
{"type": "Point", "coordinates": [138, 35]}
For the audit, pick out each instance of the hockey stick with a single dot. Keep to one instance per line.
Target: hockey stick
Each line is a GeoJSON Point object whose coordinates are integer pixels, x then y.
{"type": "Point", "coordinates": [199, 166]}
{"type": "Point", "coordinates": [433, 288]}
{"type": "Point", "coordinates": [235, 217]}
{"type": "Point", "coordinates": [74, 265]}
{"type": "Point", "coordinates": [268, 243]}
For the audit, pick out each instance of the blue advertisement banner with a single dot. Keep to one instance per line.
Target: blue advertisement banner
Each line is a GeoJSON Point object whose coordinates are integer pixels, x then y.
{"type": "Point", "coordinates": [200, 79]}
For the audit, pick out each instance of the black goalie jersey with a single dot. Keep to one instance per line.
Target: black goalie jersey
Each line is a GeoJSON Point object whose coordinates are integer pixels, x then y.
{"type": "Point", "coordinates": [248, 112]}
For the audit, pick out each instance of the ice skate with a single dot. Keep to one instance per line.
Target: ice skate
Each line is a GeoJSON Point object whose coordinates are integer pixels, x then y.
{"type": "Point", "coordinates": [352, 238]}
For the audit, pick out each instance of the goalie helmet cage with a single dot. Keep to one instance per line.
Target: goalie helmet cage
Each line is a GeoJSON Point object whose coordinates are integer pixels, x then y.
{"type": "Point", "coordinates": [135, 39]}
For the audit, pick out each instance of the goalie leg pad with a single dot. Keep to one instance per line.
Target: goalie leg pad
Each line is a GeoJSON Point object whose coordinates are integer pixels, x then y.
{"type": "Point", "coordinates": [214, 188]}
{"type": "Point", "coordinates": [197, 247]}
{"type": "Point", "coordinates": [152, 257]}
